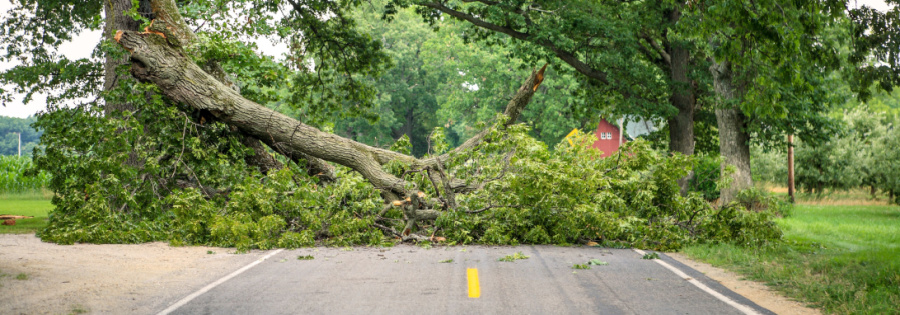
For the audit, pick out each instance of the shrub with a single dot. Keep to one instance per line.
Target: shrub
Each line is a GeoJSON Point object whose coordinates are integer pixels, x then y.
{"type": "Point", "coordinates": [707, 170]}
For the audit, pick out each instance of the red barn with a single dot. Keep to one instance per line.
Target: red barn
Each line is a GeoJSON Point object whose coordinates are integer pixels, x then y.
{"type": "Point", "coordinates": [609, 138]}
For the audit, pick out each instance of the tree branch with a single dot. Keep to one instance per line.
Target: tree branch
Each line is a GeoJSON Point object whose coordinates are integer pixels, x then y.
{"type": "Point", "coordinates": [566, 56]}
{"type": "Point", "coordinates": [658, 49]}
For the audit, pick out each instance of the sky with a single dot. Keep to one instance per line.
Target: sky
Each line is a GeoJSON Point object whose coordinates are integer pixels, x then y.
{"type": "Point", "coordinates": [83, 44]}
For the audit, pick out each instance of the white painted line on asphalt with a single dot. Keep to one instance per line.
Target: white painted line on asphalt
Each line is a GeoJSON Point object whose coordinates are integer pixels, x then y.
{"type": "Point", "coordinates": [741, 307]}
{"type": "Point", "coordinates": [205, 289]}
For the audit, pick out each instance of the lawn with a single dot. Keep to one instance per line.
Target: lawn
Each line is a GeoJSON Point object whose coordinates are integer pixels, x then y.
{"type": "Point", "coordinates": [840, 259]}
{"type": "Point", "coordinates": [27, 205]}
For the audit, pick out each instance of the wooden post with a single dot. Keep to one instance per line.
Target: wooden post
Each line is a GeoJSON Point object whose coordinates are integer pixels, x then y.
{"type": "Point", "coordinates": [20, 142]}
{"type": "Point", "coordinates": [791, 167]}
{"type": "Point", "coordinates": [621, 131]}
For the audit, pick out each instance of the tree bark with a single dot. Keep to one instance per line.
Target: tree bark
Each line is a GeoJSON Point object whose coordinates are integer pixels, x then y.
{"type": "Point", "coordinates": [174, 25]}
{"type": "Point", "coordinates": [115, 20]}
{"type": "Point", "coordinates": [677, 57]}
{"type": "Point", "coordinates": [681, 126]}
{"type": "Point", "coordinates": [734, 141]}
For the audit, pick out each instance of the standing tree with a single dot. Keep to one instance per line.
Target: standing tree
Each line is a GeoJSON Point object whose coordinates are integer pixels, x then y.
{"type": "Point", "coordinates": [630, 58]}
{"type": "Point", "coordinates": [767, 59]}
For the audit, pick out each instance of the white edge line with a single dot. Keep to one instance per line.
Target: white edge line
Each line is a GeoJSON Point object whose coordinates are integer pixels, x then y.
{"type": "Point", "coordinates": [205, 289]}
{"type": "Point", "coordinates": [741, 307]}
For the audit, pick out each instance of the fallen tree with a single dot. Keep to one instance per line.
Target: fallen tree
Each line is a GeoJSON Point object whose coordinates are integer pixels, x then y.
{"type": "Point", "coordinates": [499, 187]}
{"type": "Point", "coordinates": [159, 59]}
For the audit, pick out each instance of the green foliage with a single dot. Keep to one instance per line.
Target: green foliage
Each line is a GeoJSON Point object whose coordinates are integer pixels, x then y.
{"type": "Point", "coordinates": [163, 172]}
{"type": "Point", "coordinates": [447, 261]}
{"type": "Point", "coordinates": [875, 63]}
{"type": "Point", "coordinates": [581, 266]}
{"type": "Point", "coordinates": [742, 227]}
{"type": "Point", "coordinates": [769, 165]}
{"type": "Point", "coordinates": [865, 154]}
{"type": "Point", "coordinates": [759, 200]}
{"type": "Point", "coordinates": [306, 257]}
{"type": "Point", "coordinates": [650, 256]}
{"type": "Point", "coordinates": [707, 171]}
{"type": "Point", "coordinates": [513, 257]}
{"type": "Point", "coordinates": [603, 37]}
{"type": "Point", "coordinates": [439, 80]}
{"type": "Point", "coordinates": [18, 176]}
{"type": "Point", "coordinates": [10, 127]}
{"type": "Point", "coordinates": [571, 195]}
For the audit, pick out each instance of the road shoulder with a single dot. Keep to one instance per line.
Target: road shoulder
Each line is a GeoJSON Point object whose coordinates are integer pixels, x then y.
{"type": "Point", "coordinates": [757, 292]}
{"type": "Point", "coordinates": [105, 279]}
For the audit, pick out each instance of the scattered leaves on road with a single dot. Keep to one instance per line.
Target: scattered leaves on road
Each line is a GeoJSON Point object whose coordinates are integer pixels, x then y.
{"type": "Point", "coordinates": [513, 257]}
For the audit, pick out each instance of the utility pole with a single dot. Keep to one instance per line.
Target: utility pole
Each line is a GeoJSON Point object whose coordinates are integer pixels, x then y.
{"type": "Point", "coordinates": [19, 134]}
{"type": "Point", "coordinates": [791, 167]}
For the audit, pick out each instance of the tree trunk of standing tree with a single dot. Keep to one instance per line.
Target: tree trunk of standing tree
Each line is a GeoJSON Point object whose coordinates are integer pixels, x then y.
{"type": "Point", "coordinates": [734, 141]}
{"type": "Point", "coordinates": [115, 21]}
{"type": "Point", "coordinates": [681, 126]}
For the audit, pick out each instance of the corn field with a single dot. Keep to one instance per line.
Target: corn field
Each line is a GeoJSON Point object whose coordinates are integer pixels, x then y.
{"type": "Point", "coordinates": [13, 179]}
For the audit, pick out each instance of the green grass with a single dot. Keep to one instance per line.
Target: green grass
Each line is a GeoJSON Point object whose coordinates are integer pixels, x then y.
{"type": "Point", "coordinates": [27, 205]}
{"type": "Point", "coordinates": [841, 259]}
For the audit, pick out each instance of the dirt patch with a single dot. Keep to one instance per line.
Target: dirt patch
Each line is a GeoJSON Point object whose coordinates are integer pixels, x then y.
{"type": "Point", "coordinates": [105, 279]}
{"type": "Point", "coordinates": [757, 292]}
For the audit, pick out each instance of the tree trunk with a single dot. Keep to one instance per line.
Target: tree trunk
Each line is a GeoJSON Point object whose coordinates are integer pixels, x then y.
{"type": "Point", "coordinates": [167, 12]}
{"type": "Point", "coordinates": [115, 20]}
{"type": "Point", "coordinates": [734, 141]}
{"type": "Point", "coordinates": [681, 126]}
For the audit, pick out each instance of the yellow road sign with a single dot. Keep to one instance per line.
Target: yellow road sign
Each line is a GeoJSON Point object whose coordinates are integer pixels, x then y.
{"type": "Point", "coordinates": [573, 134]}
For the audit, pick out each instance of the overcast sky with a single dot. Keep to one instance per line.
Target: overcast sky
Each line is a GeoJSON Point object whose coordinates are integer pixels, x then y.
{"type": "Point", "coordinates": [82, 45]}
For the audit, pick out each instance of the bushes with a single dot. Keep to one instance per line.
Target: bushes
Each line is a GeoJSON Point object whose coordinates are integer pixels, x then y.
{"type": "Point", "coordinates": [707, 171]}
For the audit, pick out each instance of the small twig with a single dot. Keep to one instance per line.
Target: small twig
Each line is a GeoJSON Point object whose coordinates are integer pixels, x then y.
{"type": "Point", "coordinates": [386, 229]}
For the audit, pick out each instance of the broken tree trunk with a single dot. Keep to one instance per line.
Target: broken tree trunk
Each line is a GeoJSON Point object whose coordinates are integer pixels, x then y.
{"type": "Point", "coordinates": [170, 23]}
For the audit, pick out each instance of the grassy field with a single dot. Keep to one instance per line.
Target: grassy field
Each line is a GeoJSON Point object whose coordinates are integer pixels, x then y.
{"type": "Point", "coordinates": [28, 204]}
{"type": "Point", "coordinates": [840, 259]}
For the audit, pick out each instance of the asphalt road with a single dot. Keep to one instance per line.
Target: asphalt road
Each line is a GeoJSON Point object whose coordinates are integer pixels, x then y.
{"type": "Point", "coordinates": [413, 280]}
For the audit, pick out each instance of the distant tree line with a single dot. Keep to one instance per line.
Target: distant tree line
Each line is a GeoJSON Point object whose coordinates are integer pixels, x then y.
{"type": "Point", "coordinates": [863, 153]}
{"type": "Point", "coordinates": [9, 140]}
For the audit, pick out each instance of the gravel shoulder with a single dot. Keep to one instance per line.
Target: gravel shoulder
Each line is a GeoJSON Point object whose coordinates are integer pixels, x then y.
{"type": "Point", "coordinates": [146, 278]}
{"type": "Point", "coordinates": [105, 279]}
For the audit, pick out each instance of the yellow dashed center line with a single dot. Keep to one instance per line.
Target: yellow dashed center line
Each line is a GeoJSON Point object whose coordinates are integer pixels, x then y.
{"type": "Point", "coordinates": [474, 287]}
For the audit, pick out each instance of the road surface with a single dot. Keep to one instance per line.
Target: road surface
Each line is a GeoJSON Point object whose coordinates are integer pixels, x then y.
{"type": "Point", "coordinates": [413, 280]}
